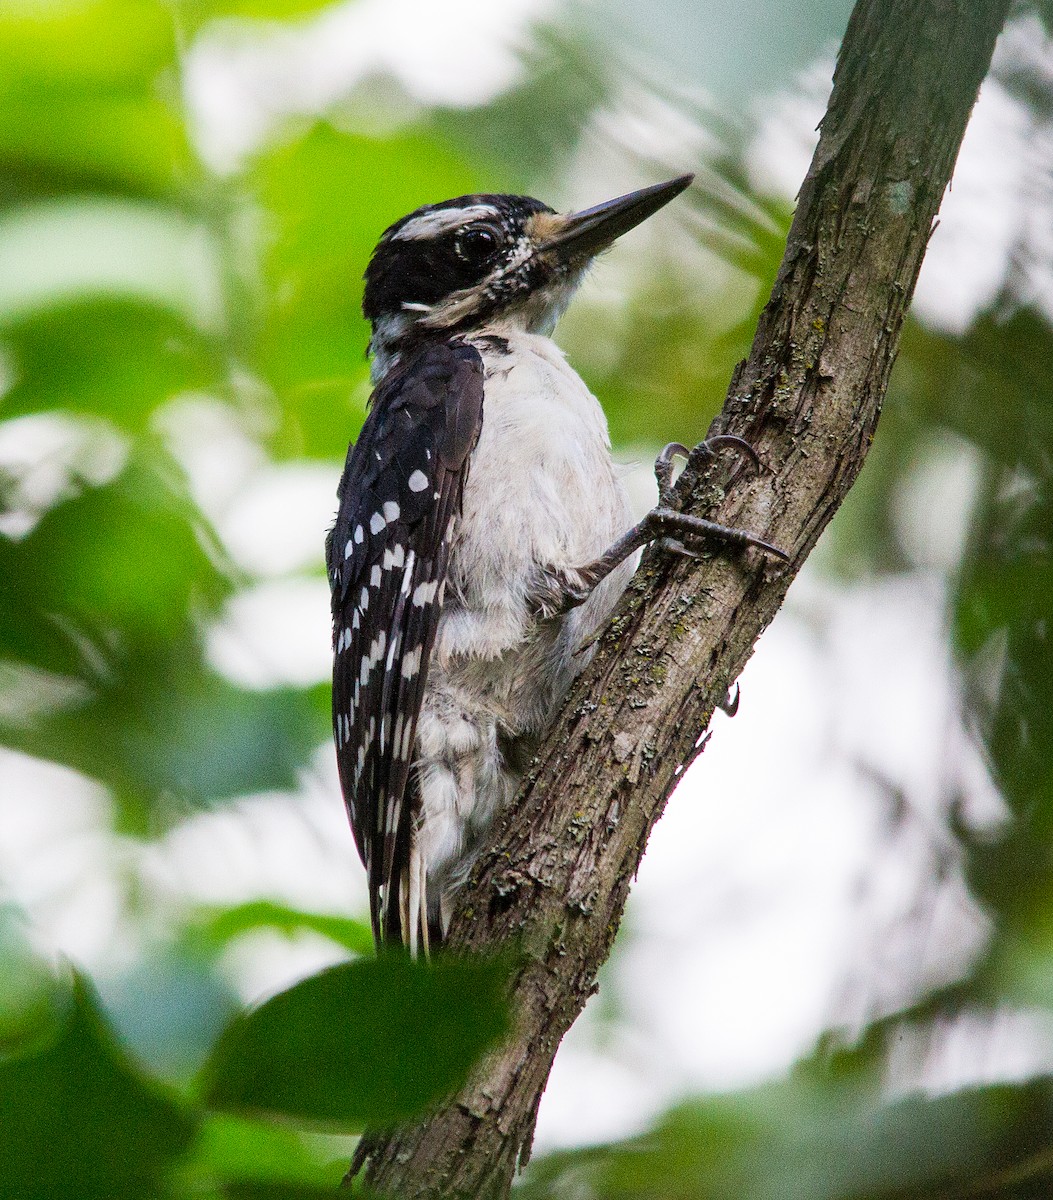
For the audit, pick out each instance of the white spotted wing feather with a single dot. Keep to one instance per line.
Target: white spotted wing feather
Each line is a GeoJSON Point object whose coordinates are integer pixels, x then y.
{"type": "Point", "coordinates": [387, 558]}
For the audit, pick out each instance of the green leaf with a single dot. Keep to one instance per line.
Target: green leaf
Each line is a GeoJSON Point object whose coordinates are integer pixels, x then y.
{"type": "Point", "coordinates": [168, 736]}
{"type": "Point", "coordinates": [1004, 613]}
{"type": "Point", "coordinates": [985, 386]}
{"type": "Point", "coordinates": [278, 1191]}
{"type": "Point", "coordinates": [112, 358]}
{"type": "Point", "coordinates": [235, 1149]}
{"type": "Point", "coordinates": [100, 617]}
{"type": "Point", "coordinates": [365, 1042]}
{"type": "Point", "coordinates": [79, 1121]}
{"type": "Point", "coordinates": [198, 12]}
{"type": "Point", "coordinates": [80, 105]}
{"type": "Point", "coordinates": [112, 568]}
{"type": "Point", "coordinates": [218, 927]}
{"type": "Point", "coordinates": [31, 1007]}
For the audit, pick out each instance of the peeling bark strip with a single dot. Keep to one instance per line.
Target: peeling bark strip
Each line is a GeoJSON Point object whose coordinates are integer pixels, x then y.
{"type": "Point", "coordinates": [557, 873]}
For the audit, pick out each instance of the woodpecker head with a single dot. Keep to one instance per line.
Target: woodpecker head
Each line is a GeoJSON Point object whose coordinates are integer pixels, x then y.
{"type": "Point", "coordinates": [482, 260]}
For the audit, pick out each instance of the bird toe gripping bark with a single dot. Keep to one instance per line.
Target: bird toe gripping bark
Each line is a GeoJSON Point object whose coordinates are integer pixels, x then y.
{"type": "Point", "coordinates": [663, 470]}
{"type": "Point", "coordinates": [670, 529]}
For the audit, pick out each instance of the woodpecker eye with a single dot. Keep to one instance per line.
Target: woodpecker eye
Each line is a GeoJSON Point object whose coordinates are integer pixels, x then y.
{"type": "Point", "coordinates": [477, 244]}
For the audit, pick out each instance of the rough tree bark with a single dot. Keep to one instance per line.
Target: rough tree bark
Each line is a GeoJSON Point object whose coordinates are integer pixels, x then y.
{"type": "Point", "coordinates": [556, 875]}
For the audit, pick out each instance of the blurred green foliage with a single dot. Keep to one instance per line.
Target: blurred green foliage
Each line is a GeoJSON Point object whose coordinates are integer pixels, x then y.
{"type": "Point", "coordinates": [346, 1046]}
{"type": "Point", "coordinates": [78, 1119]}
{"type": "Point", "coordinates": [809, 1139]}
{"type": "Point", "coordinates": [133, 274]}
{"type": "Point", "coordinates": [315, 193]}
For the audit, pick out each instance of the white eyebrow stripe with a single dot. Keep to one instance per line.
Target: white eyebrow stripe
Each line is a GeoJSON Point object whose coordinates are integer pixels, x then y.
{"type": "Point", "coordinates": [433, 224]}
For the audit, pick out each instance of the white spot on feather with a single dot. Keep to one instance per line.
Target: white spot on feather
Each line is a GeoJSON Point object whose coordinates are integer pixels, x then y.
{"type": "Point", "coordinates": [418, 481]}
{"type": "Point", "coordinates": [411, 664]}
{"type": "Point", "coordinates": [376, 651]}
{"type": "Point", "coordinates": [424, 593]}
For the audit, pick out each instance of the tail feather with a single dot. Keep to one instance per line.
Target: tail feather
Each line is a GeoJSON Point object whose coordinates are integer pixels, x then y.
{"type": "Point", "coordinates": [417, 903]}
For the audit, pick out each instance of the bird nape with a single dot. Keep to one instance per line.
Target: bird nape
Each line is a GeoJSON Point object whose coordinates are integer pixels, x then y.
{"type": "Point", "coordinates": [482, 535]}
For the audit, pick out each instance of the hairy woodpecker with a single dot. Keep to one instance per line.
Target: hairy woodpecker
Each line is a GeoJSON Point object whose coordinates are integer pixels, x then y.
{"type": "Point", "coordinates": [482, 534]}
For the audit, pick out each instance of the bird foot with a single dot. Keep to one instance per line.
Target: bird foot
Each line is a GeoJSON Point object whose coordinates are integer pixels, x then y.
{"type": "Point", "coordinates": [703, 452]}
{"type": "Point", "coordinates": [673, 530]}
{"type": "Point", "coordinates": [663, 522]}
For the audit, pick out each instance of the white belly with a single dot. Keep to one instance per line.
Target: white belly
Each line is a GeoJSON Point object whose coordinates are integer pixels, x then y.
{"type": "Point", "coordinates": [542, 493]}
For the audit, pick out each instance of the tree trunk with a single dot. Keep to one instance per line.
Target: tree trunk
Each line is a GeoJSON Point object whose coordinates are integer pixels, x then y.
{"type": "Point", "coordinates": [554, 879]}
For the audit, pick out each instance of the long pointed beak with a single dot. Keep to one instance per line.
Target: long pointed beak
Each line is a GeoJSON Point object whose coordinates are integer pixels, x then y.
{"type": "Point", "coordinates": [583, 234]}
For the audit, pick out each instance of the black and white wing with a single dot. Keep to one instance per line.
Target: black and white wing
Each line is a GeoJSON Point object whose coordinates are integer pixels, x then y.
{"type": "Point", "coordinates": [387, 556]}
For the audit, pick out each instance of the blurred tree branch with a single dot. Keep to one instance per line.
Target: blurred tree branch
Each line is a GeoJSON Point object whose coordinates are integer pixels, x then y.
{"type": "Point", "coordinates": [556, 875]}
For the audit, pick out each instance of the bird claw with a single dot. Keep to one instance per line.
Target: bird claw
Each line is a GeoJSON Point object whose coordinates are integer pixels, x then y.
{"type": "Point", "coordinates": [675, 546]}
{"type": "Point", "coordinates": [663, 468]}
{"type": "Point", "coordinates": [708, 449]}
{"type": "Point", "coordinates": [703, 452]}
